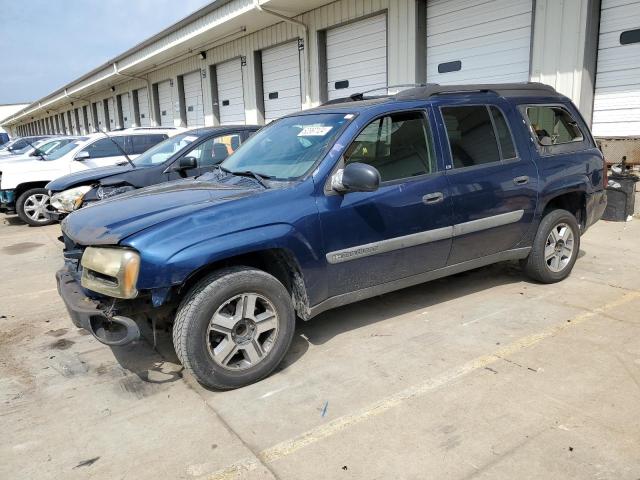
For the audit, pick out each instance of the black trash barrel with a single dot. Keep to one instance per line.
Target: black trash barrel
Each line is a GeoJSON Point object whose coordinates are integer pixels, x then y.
{"type": "Point", "coordinates": [621, 194]}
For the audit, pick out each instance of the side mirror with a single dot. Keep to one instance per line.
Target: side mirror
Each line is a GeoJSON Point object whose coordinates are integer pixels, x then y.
{"type": "Point", "coordinates": [187, 163]}
{"type": "Point", "coordinates": [82, 156]}
{"type": "Point", "coordinates": [356, 177]}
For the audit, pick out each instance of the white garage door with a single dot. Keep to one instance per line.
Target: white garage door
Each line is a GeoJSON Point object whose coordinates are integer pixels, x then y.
{"type": "Point", "coordinates": [281, 80]}
{"type": "Point", "coordinates": [478, 41]}
{"type": "Point", "coordinates": [127, 119]}
{"type": "Point", "coordinates": [80, 118]}
{"type": "Point", "coordinates": [357, 57]}
{"type": "Point", "coordinates": [617, 98]}
{"type": "Point", "coordinates": [230, 92]}
{"type": "Point", "coordinates": [165, 102]}
{"type": "Point", "coordinates": [143, 107]}
{"type": "Point", "coordinates": [112, 113]}
{"type": "Point", "coordinates": [72, 122]}
{"type": "Point", "coordinates": [193, 99]}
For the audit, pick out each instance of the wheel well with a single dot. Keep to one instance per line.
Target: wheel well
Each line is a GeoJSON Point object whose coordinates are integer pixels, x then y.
{"type": "Point", "coordinates": [23, 187]}
{"type": "Point", "coordinates": [574, 202]}
{"type": "Point", "coordinates": [280, 263]}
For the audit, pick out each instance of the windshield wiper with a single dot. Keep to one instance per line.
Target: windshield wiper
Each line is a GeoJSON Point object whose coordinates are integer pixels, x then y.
{"type": "Point", "coordinates": [119, 148]}
{"type": "Point", "coordinates": [250, 173]}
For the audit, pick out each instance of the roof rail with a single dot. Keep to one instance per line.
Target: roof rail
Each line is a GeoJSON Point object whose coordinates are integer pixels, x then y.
{"type": "Point", "coordinates": [358, 96]}
{"type": "Point", "coordinates": [502, 89]}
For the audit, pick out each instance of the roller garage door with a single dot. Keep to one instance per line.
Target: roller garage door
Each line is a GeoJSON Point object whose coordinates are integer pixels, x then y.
{"type": "Point", "coordinates": [281, 80]}
{"type": "Point", "coordinates": [143, 108]}
{"type": "Point", "coordinates": [478, 41]}
{"type": "Point", "coordinates": [357, 57]}
{"type": "Point", "coordinates": [127, 119]}
{"type": "Point", "coordinates": [111, 109]}
{"type": "Point", "coordinates": [193, 99]}
{"type": "Point", "coordinates": [80, 120]}
{"type": "Point", "coordinates": [165, 104]}
{"type": "Point", "coordinates": [616, 109]}
{"type": "Point", "coordinates": [230, 92]}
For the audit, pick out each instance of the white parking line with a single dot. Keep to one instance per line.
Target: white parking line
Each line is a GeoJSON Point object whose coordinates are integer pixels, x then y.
{"type": "Point", "coordinates": [321, 432]}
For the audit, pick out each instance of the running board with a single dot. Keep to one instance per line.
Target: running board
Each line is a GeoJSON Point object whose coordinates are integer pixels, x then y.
{"type": "Point", "coordinates": [363, 294]}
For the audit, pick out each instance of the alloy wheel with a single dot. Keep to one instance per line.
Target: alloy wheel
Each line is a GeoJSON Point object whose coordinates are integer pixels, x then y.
{"type": "Point", "coordinates": [559, 247]}
{"type": "Point", "coordinates": [242, 331]}
{"type": "Point", "coordinates": [36, 207]}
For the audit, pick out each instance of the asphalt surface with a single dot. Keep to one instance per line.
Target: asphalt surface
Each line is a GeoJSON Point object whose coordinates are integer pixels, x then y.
{"type": "Point", "coordinates": [481, 375]}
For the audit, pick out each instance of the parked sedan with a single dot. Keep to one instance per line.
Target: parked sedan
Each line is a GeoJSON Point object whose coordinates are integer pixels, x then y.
{"type": "Point", "coordinates": [22, 182]}
{"type": "Point", "coordinates": [20, 145]}
{"type": "Point", "coordinates": [189, 154]}
{"type": "Point", "coordinates": [40, 148]}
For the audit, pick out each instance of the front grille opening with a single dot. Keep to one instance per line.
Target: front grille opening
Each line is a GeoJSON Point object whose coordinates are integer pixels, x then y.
{"type": "Point", "coordinates": [106, 279]}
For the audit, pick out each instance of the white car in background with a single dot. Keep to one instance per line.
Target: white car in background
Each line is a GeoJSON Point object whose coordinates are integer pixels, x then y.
{"type": "Point", "coordinates": [39, 148]}
{"type": "Point", "coordinates": [22, 180]}
{"type": "Point", "coordinates": [20, 145]}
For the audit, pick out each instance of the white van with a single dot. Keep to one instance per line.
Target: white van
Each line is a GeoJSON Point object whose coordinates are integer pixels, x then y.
{"type": "Point", "coordinates": [22, 180]}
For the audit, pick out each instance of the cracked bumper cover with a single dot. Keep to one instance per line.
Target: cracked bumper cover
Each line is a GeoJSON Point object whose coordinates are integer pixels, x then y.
{"type": "Point", "coordinates": [88, 313]}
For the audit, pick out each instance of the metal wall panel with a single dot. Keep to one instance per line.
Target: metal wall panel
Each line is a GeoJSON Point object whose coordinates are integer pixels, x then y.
{"type": "Point", "coordinates": [113, 113]}
{"type": "Point", "coordinates": [478, 41]}
{"type": "Point", "coordinates": [617, 98]}
{"type": "Point", "coordinates": [357, 57]}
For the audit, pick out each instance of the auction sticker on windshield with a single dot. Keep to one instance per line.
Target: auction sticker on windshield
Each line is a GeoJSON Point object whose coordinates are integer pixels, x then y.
{"type": "Point", "coordinates": [314, 131]}
{"type": "Point", "coordinates": [190, 139]}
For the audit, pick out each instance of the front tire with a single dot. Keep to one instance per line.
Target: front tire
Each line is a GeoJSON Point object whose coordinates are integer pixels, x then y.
{"type": "Point", "coordinates": [234, 327]}
{"type": "Point", "coordinates": [555, 248]}
{"type": "Point", "coordinates": [32, 207]}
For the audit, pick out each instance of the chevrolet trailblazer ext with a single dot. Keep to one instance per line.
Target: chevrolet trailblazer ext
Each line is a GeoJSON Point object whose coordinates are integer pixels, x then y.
{"type": "Point", "coordinates": [335, 205]}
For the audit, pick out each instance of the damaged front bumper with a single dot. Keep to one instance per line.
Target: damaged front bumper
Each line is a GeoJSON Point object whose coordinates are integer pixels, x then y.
{"type": "Point", "coordinates": [7, 201]}
{"type": "Point", "coordinates": [93, 315]}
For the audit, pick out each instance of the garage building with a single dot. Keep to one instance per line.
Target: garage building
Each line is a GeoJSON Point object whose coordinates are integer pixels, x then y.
{"type": "Point", "coordinates": [252, 61]}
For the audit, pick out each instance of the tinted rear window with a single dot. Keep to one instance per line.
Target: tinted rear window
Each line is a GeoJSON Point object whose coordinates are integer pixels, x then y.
{"type": "Point", "coordinates": [142, 143]}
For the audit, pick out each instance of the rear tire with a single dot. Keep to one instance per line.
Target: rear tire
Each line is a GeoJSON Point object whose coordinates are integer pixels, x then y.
{"type": "Point", "coordinates": [32, 206]}
{"type": "Point", "coordinates": [555, 248]}
{"type": "Point", "coordinates": [234, 327]}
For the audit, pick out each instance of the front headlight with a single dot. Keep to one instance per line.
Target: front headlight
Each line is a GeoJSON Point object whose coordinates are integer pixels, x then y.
{"type": "Point", "coordinates": [111, 271]}
{"type": "Point", "coordinates": [69, 200]}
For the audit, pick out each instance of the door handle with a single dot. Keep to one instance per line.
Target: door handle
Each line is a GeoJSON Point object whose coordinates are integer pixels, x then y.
{"type": "Point", "coordinates": [521, 180]}
{"type": "Point", "coordinates": [431, 198]}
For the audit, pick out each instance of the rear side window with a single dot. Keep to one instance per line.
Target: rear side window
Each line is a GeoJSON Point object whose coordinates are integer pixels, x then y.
{"type": "Point", "coordinates": [398, 146]}
{"type": "Point", "coordinates": [553, 125]}
{"type": "Point", "coordinates": [471, 136]}
{"type": "Point", "coordinates": [142, 143]}
{"type": "Point", "coordinates": [105, 147]}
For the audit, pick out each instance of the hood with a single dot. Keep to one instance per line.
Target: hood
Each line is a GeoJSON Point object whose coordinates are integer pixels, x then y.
{"type": "Point", "coordinates": [110, 221]}
{"type": "Point", "coordinates": [86, 176]}
{"type": "Point", "coordinates": [9, 159]}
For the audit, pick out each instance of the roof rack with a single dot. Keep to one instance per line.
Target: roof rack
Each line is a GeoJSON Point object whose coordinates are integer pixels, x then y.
{"type": "Point", "coordinates": [533, 89]}
{"type": "Point", "coordinates": [424, 91]}
{"type": "Point", "coordinates": [356, 97]}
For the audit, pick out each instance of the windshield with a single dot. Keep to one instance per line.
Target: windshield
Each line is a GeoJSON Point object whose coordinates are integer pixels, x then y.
{"type": "Point", "coordinates": [50, 147]}
{"type": "Point", "coordinates": [22, 149]}
{"type": "Point", "coordinates": [165, 149]}
{"type": "Point", "coordinates": [288, 148]}
{"type": "Point", "coordinates": [63, 150]}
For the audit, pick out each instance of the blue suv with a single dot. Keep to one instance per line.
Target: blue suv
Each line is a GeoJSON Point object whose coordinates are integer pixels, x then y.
{"type": "Point", "coordinates": [331, 206]}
